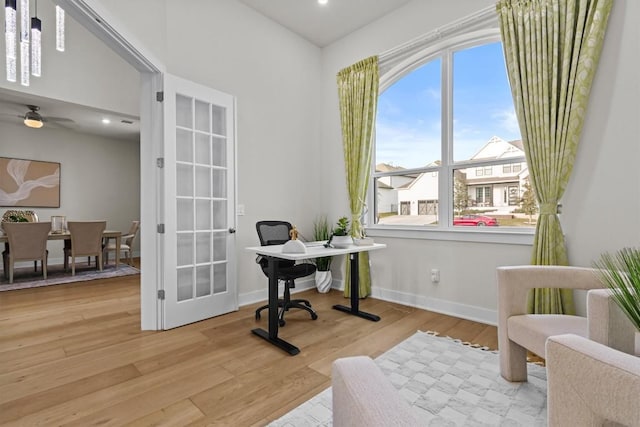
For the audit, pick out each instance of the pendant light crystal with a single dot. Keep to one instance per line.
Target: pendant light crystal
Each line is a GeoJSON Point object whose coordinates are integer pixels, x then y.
{"type": "Point", "coordinates": [36, 46]}
{"type": "Point", "coordinates": [24, 42]}
{"type": "Point", "coordinates": [10, 32]}
{"type": "Point", "coordinates": [59, 28]}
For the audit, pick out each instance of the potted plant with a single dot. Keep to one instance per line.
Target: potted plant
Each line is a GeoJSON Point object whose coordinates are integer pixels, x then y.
{"type": "Point", "coordinates": [341, 237]}
{"type": "Point", "coordinates": [322, 232]}
{"type": "Point", "coordinates": [620, 272]}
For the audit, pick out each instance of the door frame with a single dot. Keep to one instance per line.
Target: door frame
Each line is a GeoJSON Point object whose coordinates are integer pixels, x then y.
{"type": "Point", "coordinates": [96, 19]}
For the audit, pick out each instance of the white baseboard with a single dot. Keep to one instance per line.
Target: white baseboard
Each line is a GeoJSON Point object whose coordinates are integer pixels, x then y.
{"type": "Point", "coordinates": [451, 308]}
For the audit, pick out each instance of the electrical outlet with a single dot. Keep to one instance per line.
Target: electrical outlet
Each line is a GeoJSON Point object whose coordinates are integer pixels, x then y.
{"type": "Point", "coordinates": [435, 275]}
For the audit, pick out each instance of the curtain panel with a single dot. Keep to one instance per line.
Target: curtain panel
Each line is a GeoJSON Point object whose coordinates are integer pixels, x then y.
{"type": "Point", "coordinates": [358, 95]}
{"type": "Point", "coordinates": [551, 48]}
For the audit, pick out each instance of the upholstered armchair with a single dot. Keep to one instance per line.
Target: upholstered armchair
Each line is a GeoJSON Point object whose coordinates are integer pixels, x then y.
{"type": "Point", "coordinates": [590, 384]}
{"type": "Point", "coordinates": [519, 331]}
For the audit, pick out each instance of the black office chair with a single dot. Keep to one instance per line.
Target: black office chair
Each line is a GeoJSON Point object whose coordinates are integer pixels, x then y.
{"type": "Point", "coordinates": [277, 233]}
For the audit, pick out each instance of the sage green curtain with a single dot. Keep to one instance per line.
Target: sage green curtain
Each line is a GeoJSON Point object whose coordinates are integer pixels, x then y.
{"type": "Point", "coordinates": [551, 49]}
{"type": "Point", "coordinates": [358, 93]}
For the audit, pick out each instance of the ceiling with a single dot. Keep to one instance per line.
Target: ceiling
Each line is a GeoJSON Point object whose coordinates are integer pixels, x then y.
{"type": "Point", "coordinates": [324, 24]}
{"type": "Point", "coordinates": [320, 24]}
{"type": "Point", "coordinates": [64, 115]}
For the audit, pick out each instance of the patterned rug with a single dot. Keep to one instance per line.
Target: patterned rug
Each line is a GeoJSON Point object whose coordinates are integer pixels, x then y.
{"type": "Point", "coordinates": [447, 383]}
{"type": "Point", "coordinates": [25, 277]}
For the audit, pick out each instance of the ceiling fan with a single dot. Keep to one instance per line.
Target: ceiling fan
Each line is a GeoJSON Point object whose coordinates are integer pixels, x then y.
{"type": "Point", "coordinates": [32, 118]}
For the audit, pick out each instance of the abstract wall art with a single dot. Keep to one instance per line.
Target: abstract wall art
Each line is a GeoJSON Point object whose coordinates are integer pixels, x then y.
{"type": "Point", "coordinates": [29, 183]}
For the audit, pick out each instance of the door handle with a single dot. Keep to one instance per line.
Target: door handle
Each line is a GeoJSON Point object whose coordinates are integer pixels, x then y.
{"type": "Point", "coordinates": [232, 230]}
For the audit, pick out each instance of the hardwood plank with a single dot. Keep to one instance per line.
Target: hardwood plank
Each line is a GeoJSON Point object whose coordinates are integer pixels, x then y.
{"type": "Point", "coordinates": [74, 355]}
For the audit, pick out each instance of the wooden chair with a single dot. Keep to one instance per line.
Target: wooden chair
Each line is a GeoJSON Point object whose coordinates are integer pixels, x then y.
{"type": "Point", "coordinates": [27, 242]}
{"type": "Point", "coordinates": [86, 240]}
{"type": "Point", "coordinates": [126, 244]}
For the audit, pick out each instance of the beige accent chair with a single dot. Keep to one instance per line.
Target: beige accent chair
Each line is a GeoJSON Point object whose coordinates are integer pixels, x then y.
{"type": "Point", "coordinates": [589, 384]}
{"type": "Point", "coordinates": [364, 397]}
{"type": "Point", "coordinates": [86, 240]}
{"type": "Point", "coordinates": [27, 242]}
{"type": "Point", "coordinates": [126, 244]}
{"type": "Point", "coordinates": [519, 331]}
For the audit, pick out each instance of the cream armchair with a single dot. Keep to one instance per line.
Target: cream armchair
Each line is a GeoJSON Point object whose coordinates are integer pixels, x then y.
{"type": "Point", "coordinates": [519, 331]}
{"type": "Point", "coordinates": [589, 384]}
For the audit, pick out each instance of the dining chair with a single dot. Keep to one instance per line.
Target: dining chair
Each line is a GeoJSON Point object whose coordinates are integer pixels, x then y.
{"type": "Point", "coordinates": [86, 240]}
{"type": "Point", "coordinates": [126, 246]}
{"type": "Point", "coordinates": [27, 242]}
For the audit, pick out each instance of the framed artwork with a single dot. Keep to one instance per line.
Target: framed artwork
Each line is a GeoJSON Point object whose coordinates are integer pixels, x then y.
{"type": "Point", "coordinates": [29, 183]}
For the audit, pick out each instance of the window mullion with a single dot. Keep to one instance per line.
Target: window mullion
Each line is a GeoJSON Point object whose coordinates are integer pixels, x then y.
{"type": "Point", "coordinates": [445, 186]}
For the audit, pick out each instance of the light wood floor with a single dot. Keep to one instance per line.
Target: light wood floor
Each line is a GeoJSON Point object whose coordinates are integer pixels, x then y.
{"type": "Point", "coordinates": [74, 355]}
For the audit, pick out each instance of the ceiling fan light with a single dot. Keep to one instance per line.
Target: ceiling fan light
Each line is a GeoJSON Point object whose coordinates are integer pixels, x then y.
{"type": "Point", "coordinates": [33, 120]}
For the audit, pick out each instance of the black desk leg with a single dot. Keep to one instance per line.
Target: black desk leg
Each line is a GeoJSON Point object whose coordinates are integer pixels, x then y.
{"type": "Point", "coordinates": [272, 335]}
{"type": "Point", "coordinates": [355, 292]}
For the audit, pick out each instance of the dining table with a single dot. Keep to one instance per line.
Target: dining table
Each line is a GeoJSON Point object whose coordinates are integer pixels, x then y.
{"type": "Point", "coordinates": [66, 236]}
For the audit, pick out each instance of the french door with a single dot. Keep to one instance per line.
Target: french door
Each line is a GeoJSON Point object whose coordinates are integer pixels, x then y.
{"type": "Point", "coordinates": [199, 203]}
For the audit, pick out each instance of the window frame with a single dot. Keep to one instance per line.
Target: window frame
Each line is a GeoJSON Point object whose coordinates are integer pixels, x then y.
{"type": "Point", "coordinates": [443, 48]}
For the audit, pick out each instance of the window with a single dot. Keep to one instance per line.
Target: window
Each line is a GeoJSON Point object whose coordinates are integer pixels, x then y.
{"type": "Point", "coordinates": [447, 133]}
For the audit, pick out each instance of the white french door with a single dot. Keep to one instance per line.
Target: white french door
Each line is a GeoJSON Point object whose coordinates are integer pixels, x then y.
{"type": "Point", "coordinates": [199, 203]}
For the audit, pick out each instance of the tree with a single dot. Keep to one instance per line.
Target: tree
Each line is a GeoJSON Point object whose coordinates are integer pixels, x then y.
{"type": "Point", "coordinates": [528, 201]}
{"type": "Point", "coordinates": [460, 195]}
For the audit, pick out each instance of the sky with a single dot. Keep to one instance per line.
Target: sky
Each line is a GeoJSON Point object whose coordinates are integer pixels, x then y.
{"type": "Point", "coordinates": [408, 127]}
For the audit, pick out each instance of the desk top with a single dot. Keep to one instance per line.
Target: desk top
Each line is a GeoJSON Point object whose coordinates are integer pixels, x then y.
{"type": "Point", "coordinates": [314, 250]}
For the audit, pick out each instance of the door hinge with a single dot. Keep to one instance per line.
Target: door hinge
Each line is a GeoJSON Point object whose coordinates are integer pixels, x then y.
{"type": "Point", "coordinates": [160, 162]}
{"type": "Point", "coordinates": [159, 96]}
{"type": "Point", "coordinates": [161, 294]}
{"type": "Point", "coordinates": [161, 228]}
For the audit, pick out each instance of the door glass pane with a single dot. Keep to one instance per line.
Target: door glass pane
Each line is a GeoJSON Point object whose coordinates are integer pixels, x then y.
{"type": "Point", "coordinates": [203, 149]}
{"type": "Point", "coordinates": [219, 181]}
{"type": "Point", "coordinates": [219, 120]}
{"type": "Point", "coordinates": [202, 116]}
{"type": "Point", "coordinates": [203, 181]}
{"type": "Point", "coordinates": [219, 214]}
{"type": "Point", "coordinates": [203, 248]}
{"type": "Point", "coordinates": [184, 180]}
{"type": "Point", "coordinates": [185, 249]}
{"type": "Point", "coordinates": [184, 111]}
{"type": "Point", "coordinates": [184, 151]}
{"type": "Point", "coordinates": [203, 280]}
{"type": "Point", "coordinates": [220, 246]}
{"type": "Point", "coordinates": [203, 214]}
{"type": "Point", "coordinates": [185, 283]}
{"type": "Point", "coordinates": [219, 278]}
{"type": "Point", "coordinates": [184, 220]}
{"type": "Point", "coordinates": [219, 151]}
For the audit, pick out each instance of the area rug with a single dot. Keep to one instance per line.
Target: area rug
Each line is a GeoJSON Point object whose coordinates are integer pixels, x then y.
{"type": "Point", "coordinates": [447, 383]}
{"type": "Point", "coordinates": [25, 277]}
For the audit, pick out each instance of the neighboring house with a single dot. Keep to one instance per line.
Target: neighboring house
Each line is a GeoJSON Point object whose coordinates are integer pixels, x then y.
{"type": "Point", "coordinates": [387, 187]}
{"type": "Point", "coordinates": [496, 186]}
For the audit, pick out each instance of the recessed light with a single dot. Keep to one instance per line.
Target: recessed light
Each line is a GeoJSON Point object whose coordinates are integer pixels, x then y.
{"type": "Point", "coordinates": [323, 2]}
{"type": "Point", "coordinates": [106, 121]}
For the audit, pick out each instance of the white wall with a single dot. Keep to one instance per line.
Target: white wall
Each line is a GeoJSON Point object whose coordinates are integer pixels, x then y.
{"type": "Point", "coordinates": [601, 203]}
{"type": "Point", "coordinates": [99, 177]}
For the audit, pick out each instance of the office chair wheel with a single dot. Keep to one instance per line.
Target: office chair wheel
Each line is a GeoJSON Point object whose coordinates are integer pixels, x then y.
{"type": "Point", "coordinates": [282, 322]}
{"type": "Point", "coordinates": [257, 316]}
{"type": "Point", "coordinates": [313, 316]}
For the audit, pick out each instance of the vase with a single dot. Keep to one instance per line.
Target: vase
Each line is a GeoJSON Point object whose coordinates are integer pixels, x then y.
{"type": "Point", "coordinates": [342, 241]}
{"type": "Point", "coordinates": [323, 281]}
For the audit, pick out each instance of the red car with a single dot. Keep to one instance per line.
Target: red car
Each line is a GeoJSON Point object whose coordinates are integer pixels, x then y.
{"type": "Point", "coordinates": [475, 220]}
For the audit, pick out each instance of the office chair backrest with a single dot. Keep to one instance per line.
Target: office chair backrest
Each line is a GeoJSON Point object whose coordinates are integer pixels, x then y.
{"type": "Point", "coordinates": [273, 232]}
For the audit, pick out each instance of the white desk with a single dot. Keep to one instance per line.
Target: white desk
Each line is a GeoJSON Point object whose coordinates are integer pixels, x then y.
{"type": "Point", "coordinates": [274, 252]}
